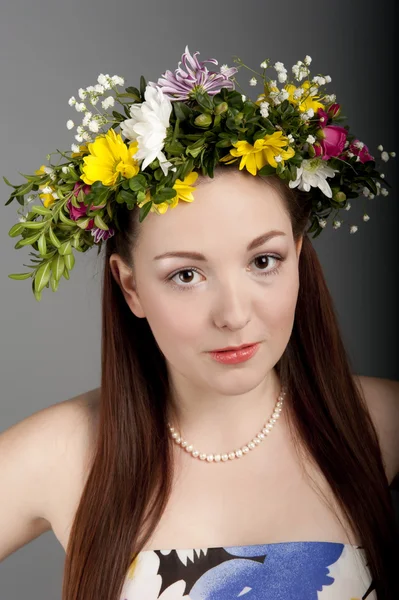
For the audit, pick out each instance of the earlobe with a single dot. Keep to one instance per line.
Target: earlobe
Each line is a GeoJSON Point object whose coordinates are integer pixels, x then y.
{"type": "Point", "coordinates": [123, 275]}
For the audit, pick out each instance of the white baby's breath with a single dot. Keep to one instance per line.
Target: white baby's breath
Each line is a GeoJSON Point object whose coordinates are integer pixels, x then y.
{"type": "Point", "coordinates": [348, 206]}
{"type": "Point", "coordinates": [78, 138]}
{"type": "Point", "coordinates": [310, 139]}
{"type": "Point", "coordinates": [82, 94]}
{"type": "Point", "coordinates": [393, 154]}
{"type": "Point", "coordinates": [384, 192]}
{"type": "Point", "coordinates": [366, 217]}
{"type": "Point", "coordinates": [380, 147]}
{"type": "Point", "coordinates": [253, 81]}
{"type": "Point", "coordinates": [93, 126]}
{"type": "Point", "coordinates": [70, 124]}
{"type": "Point", "coordinates": [385, 156]}
{"type": "Point", "coordinates": [72, 101]}
{"type": "Point", "coordinates": [75, 148]}
{"type": "Point", "coordinates": [108, 102]}
{"type": "Point", "coordinates": [307, 60]}
{"type": "Point", "coordinates": [80, 106]}
{"type": "Point", "coordinates": [47, 190]}
{"type": "Point", "coordinates": [117, 80]}
{"type": "Point", "coordinates": [353, 228]}
{"type": "Point", "coordinates": [263, 65]}
{"type": "Point", "coordinates": [264, 109]}
{"type": "Point", "coordinates": [336, 224]}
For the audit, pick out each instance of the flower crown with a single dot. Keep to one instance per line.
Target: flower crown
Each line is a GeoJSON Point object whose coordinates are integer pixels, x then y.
{"type": "Point", "coordinates": [188, 121]}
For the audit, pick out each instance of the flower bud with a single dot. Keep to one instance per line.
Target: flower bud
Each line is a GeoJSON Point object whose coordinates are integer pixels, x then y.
{"type": "Point", "coordinates": [238, 118]}
{"type": "Point", "coordinates": [221, 108]}
{"type": "Point", "coordinates": [311, 150]}
{"type": "Point", "coordinates": [339, 196]}
{"type": "Point", "coordinates": [203, 120]}
{"type": "Point", "coordinates": [320, 134]}
{"type": "Point", "coordinates": [334, 110]}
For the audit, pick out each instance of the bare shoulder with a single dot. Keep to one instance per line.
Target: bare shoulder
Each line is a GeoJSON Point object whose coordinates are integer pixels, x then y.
{"type": "Point", "coordinates": [382, 399]}
{"type": "Point", "coordinates": [44, 459]}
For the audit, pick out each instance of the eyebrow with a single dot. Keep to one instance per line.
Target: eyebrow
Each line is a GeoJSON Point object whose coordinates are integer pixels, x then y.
{"type": "Point", "coordinates": [258, 241]}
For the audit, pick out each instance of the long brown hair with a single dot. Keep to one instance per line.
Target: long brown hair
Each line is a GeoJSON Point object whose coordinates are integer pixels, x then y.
{"type": "Point", "coordinates": [130, 478]}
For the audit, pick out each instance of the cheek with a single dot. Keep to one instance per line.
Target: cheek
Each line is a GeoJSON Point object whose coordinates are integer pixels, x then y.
{"type": "Point", "coordinates": [277, 306]}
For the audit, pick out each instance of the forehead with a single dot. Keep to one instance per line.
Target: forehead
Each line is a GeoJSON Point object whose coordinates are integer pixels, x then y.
{"type": "Point", "coordinates": [232, 207]}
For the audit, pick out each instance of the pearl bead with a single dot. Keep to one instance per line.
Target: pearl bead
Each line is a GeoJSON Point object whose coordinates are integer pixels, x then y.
{"type": "Point", "coordinates": [265, 431]}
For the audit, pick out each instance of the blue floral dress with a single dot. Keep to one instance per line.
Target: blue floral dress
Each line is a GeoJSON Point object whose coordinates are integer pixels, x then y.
{"type": "Point", "coordinates": [278, 571]}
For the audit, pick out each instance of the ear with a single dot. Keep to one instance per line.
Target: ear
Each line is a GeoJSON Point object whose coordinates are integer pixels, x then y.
{"type": "Point", "coordinates": [124, 277]}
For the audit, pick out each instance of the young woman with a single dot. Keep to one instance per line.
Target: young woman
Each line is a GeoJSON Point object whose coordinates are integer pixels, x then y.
{"type": "Point", "coordinates": [197, 472]}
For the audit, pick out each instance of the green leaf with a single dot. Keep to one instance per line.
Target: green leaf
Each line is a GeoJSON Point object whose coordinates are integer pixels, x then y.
{"type": "Point", "coordinates": [65, 219]}
{"type": "Point", "coordinates": [8, 183]}
{"type": "Point", "coordinates": [137, 183]}
{"type": "Point", "coordinates": [143, 85]}
{"type": "Point", "coordinates": [34, 224]}
{"type": "Point", "coordinates": [266, 170]}
{"type": "Point", "coordinates": [57, 266]}
{"type": "Point", "coordinates": [83, 222]}
{"type": "Point", "coordinates": [53, 238]}
{"type": "Point", "coordinates": [20, 275]}
{"type": "Point", "coordinates": [41, 210]}
{"type": "Point", "coordinates": [164, 194]}
{"type": "Point", "coordinates": [65, 248]}
{"type": "Point", "coordinates": [144, 210]}
{"type": "Point", "coordinates": [65, 273]}
{"type": "Point", "coordinates": [42, 276]}
{"type": "Point", "coordinates": [53, 282]}
{"type": "Point", "coordinates": [16, 229]}
{"type": "Point", "coordinates": [42, 245]}
{"type": "Point", "coordinates": [100, 223]}
{"type": "Point", "coordinates": [204, 101]}
{"type": "Point", "coordinates": [69, 261]}
{"type": "Point", "coordinates": [182, 111]}
{"type": "Point", "coordinates": [29, 240]}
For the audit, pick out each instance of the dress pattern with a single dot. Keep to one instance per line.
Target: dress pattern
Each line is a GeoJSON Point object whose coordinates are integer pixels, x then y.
{"type": "Point", "coordinates": [278, 571]}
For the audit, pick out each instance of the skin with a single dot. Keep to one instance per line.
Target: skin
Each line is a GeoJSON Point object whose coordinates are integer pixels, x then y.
{"type": "Point", "coordinates": [229, 301]}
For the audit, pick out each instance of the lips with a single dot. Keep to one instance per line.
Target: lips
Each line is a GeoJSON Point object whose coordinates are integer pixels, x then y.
{"type": "Point", "coordinates": [233, 348]}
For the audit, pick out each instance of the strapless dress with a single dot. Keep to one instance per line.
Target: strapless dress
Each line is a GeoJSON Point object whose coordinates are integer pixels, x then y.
{"type": "Point", "coordinates": [306, 570]}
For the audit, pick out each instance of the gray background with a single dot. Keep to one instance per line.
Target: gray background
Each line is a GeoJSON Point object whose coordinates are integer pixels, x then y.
{"type": "Point", "coordinates": [50, 351]}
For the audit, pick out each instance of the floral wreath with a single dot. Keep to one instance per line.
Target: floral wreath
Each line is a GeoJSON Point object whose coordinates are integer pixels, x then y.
{"type": "Point", "coordinates": [188, 121]}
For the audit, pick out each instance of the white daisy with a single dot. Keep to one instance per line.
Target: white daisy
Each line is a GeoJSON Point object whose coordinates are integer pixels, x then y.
{"type": "Point", "coordinates": [313, 173]}
{"type": "Point", "coordinates": [148, 126]}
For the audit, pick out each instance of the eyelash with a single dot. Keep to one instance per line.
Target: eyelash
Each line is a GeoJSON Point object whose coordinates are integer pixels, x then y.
{"type": "Point", "coordinates": [272, 272]}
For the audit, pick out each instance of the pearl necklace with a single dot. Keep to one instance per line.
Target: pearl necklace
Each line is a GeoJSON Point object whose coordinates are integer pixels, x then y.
{"type": "Point", "coordinates": [235, 453]}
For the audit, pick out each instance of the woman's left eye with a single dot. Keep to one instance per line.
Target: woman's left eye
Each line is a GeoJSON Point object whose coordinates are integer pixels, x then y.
{"type": "Point", "coordinates": [272, 271]}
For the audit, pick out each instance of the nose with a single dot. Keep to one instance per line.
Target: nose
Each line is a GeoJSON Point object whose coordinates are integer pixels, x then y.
{"type": "Point", "coordinates": [232, 307]}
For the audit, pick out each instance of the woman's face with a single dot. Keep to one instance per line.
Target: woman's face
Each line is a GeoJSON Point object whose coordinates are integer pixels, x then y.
{"type": "Point", "coordinates": [231, 296]}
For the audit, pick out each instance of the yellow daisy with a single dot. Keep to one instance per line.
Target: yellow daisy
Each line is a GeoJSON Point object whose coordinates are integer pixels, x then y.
{"type": "Point", "coordinates": [308, 102]}
{"type": "Point", "coordinates": [48, 199]}
{"type": "Point", "coordinates": [263, 152]}
{"type": "Point", "coordinates": [109, 156]}
{"type": "Point", "coordinates": [184, 191]}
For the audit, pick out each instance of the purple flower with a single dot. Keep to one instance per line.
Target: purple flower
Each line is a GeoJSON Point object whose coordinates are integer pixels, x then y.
{"type": "Point", "coordinates": [102, 234]}
{"type": "Point", "coordinates": [184, 85]}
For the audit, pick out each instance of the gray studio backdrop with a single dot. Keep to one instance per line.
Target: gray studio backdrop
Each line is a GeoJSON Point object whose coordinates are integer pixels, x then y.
{"type": "Point", "coordinates": [50, 351]}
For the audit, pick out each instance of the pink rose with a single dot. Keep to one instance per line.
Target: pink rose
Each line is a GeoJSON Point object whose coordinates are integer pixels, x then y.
{"type": "Point", "coordinates": [359, 149]}
{"type": "Point", "coordinates": [332, 141]}
{"type": "Point", "coordinates": [81, 212]}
